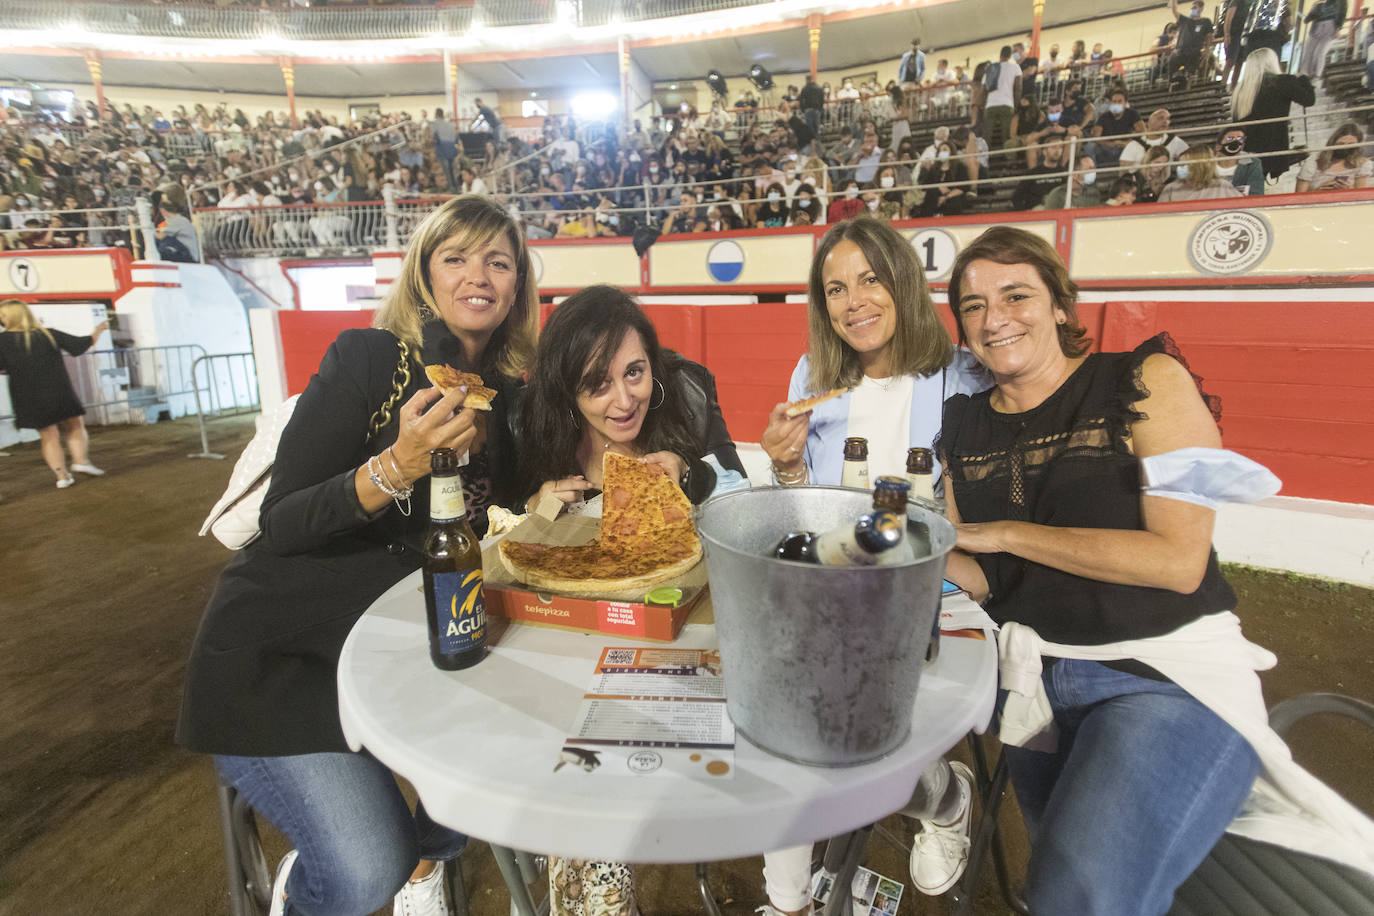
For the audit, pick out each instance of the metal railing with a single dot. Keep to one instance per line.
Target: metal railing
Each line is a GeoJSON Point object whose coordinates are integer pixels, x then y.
{"type": "Point", "coordinates": [134, 384]}
{"type": "Point", "coordinates": [226, 397]}
{"type": "Point", "coordinates": [308, 230]}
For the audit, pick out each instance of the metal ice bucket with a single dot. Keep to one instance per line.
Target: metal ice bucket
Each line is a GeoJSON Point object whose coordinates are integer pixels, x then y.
{"type": "Point", "coordinates": [821, 662]}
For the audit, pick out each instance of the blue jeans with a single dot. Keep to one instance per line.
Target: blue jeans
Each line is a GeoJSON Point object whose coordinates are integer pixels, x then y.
{"type": "Point", "coordinates": [1143, 784]}
{"type": "Point", "coordinates": [356, 839]}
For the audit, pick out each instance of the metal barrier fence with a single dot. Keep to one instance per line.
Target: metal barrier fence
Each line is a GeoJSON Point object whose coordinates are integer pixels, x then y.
{"type": "Point", "coordinates": [134, 384]}
{"type": "Point", "coordinates": [224, 389]}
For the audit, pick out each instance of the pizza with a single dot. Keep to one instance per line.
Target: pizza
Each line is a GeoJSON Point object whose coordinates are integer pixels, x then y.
{"type": "Point", "coordinates": [798, 408]}
{"type": "Point", "coordinates": [646, 538]}
{"type": "Point", "coordinates": [447, 378]}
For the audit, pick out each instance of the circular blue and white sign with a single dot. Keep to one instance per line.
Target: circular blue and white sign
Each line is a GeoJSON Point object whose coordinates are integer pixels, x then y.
{"type": "Point", "coordinates": [725, 261]}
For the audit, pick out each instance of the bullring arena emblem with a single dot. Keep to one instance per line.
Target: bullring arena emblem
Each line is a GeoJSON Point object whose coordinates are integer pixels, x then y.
{"type": "Point", "coordinates": [725, 261]}
{"type": "Point", "coordinates": [1230, 243]}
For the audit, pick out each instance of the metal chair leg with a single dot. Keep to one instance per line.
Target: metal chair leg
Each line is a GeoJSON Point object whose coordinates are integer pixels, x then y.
{"type": "Point", "coordinates": [992, 787]}
{"type": "Point", "coordinates": [454, 884]}
{"type": "Point", "coordinates": [708, 900]}
{"type": "Point", "coordinates": [240, 904]}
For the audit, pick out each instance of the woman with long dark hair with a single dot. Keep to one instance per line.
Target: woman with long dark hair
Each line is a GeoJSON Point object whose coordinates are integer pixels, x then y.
{"type": "Point", "coordinates": [601, 382]}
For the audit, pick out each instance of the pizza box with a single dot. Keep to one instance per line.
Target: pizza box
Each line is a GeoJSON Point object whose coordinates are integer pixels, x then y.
{"type": "Point", "coordinates": [622, 615]}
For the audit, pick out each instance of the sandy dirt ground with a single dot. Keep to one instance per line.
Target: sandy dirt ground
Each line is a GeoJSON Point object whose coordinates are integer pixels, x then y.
{"type": "Point", "coordinates": [103, 585]}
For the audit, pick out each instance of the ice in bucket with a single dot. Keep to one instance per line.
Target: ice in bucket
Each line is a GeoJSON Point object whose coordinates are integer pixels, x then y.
{"type": "Point", "coordinates": [821, 662]}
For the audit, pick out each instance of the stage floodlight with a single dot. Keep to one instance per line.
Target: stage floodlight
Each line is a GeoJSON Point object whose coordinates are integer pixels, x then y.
{"type": "Point", "coordinates": [716, 81]}
{"type": "Point", "coordinates": [761, 78]}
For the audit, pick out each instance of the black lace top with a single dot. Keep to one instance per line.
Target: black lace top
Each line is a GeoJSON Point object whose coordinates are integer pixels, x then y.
{"type": "Point", "coordinates": [1065, 462]}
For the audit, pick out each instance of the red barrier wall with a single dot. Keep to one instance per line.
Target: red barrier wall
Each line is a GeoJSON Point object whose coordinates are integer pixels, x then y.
{"type": "Point", "coordinates": [305, 336]}
{"type": "Point", "coordinates": [1296, 379]}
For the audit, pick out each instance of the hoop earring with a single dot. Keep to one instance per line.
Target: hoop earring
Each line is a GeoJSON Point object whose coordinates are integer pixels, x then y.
{"type": "Point", "coordinates": [663, 396]}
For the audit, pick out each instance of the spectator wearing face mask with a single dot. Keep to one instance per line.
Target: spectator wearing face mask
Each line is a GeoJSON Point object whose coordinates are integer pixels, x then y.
{"type": "Point", "coordinates": [1113, 129]}
{"type": "Point", "coordinates": [1193, 32]}
{"type": "Point", "coordinates": [1197, 178]}
{"type": "Point", "coordinates": [944, 182]}
{"type": "Point", "coordinates": [806, 209]}
{"type": "Point", "coordinates": [1078, 113]}
{"type": "Point", "coordinates": [846, 206]}
{"type": "Point", "coordinates": [1245, 172]}
{"type": "Point", "coordinates": [1339, 167]}
{"type": "Point", "coordinates": [1085, 190]}
{"type": "Point", "coordinates": [771, 212]}
{"type": "Point", "coordinates": [893, 201]}
{"type": "Point", "coordinates": [686, 217]}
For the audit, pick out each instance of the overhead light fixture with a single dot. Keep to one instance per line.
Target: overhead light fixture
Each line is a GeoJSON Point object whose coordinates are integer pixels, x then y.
{"type": "Point", "coordinates": [716, 81]}
{"type": "Point", "coordinates": [673, 86]}
{"type": "Point", "coordinates": [761, 78]}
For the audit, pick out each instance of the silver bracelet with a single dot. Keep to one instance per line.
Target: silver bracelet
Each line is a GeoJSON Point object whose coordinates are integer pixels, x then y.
{"type": "Point", "coordinates": [408, 488]}
{"type": "Point", "coordinates": [376, 474]}
{"type": "Point", "coordinates": [789, 480]}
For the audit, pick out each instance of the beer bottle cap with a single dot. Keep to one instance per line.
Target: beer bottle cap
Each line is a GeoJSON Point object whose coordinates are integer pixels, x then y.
{"type": "Point", "coordinates": [919, 461]}
{"type": "Point", "coordinates": [879, 530]}
{"type": "Point", "coordinates": [856, 449]}
{"type": "Point", "coordinates": [443, 461]}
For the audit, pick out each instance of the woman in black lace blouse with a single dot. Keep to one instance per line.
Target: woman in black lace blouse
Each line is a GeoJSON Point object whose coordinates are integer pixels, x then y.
{"type": "Point", "coordinates": [1043, 479]}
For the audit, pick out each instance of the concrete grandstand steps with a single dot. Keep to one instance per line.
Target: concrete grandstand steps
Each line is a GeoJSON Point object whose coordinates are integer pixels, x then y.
{"type": "Point", "coordinates": [1342, 84]}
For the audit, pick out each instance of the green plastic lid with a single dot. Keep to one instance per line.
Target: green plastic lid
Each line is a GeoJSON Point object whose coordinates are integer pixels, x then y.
{"type": "Point", "coordinates": [665, 594]}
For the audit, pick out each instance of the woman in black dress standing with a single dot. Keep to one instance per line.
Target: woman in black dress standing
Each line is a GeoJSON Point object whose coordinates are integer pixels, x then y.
{"type": "Point", "coordinates": [40, 392]}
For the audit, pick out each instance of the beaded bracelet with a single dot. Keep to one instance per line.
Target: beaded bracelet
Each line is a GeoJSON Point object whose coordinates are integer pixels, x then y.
{"type": "Point", "coordinates": [790, 480]}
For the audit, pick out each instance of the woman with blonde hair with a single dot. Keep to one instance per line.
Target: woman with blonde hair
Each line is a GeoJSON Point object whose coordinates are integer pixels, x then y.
{"type": "Point", "coordinates": [41, 394]}
{"type": "Point", "coordinates": [1266, 94]}
{"type": "Point", "coordinates": [343, 520]}
{"type": "Point", "coordinates": [1198, 178]}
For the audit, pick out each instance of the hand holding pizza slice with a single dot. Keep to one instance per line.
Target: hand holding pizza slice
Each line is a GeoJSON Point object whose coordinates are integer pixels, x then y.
{"type": "Point", "coordinates": [446, 379]}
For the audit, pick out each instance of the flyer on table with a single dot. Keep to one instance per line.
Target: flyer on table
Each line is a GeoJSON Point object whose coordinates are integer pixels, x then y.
{"type": "Point", "coordinates": [651, 711]}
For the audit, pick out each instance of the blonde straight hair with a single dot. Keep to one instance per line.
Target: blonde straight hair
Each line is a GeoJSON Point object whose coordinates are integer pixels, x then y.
{"type": "Point", "coordinates": [15, 316]}
{"type": "Point", "coordinates": [472, 220]}
{"type": "Point", "coordinates": [919, 343]}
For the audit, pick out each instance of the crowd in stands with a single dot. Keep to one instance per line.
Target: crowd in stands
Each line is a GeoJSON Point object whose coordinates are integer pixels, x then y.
{"type": "Point", "coordinates": [1059, 134]}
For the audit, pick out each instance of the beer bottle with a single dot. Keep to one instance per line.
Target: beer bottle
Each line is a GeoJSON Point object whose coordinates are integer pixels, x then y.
{"type": "Point", "coordinates": [920, 467]}
{"type": "Point", "coordinates": [855, 470]}
{"type": "Point", "coordinates": [890, 493]}
{"type": "Point", "coordinates": [457, 609]}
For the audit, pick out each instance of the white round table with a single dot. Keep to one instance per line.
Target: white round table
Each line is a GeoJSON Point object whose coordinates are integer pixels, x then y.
{"type": "Point", "coordinates": [480, 746]}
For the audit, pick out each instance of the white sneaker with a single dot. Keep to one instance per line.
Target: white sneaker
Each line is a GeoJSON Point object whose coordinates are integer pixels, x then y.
{"type": "Point", "coordinates": [64, 482]}
{"type": "Point", "coordinates": [939, 852]}
{"type": "Point", "coordinates": [769, 910]}
{"type": "Point", "coordinates": [278, 906]}
{"type": "Point", "coordinates": [426, 897]}
{"type": "Point", "coordinates": [88, 469]}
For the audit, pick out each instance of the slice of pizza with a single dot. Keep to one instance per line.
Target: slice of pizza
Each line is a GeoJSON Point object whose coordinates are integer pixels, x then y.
{"type": "Point", "coordinates": [638, 500]}
{"type": "Point", "coordinates": [797, 408]}
{"type": "Point", "coordinates": [447, 378]}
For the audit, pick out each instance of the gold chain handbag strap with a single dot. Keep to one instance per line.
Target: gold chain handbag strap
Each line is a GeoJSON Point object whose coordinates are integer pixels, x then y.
{"type": "Point", "coordinates": [399, 380]}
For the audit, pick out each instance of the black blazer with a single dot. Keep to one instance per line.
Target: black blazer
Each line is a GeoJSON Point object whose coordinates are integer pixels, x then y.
{"type": "Point", "coordinates": [261, 678]}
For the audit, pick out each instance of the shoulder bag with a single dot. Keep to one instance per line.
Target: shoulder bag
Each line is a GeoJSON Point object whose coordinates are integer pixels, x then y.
{"type": "Point", "coordinates": [234, 520]}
